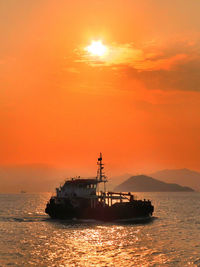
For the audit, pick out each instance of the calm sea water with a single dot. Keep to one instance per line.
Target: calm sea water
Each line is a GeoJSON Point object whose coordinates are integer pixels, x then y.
{"type": "Point", "coordinates": [29, 238]}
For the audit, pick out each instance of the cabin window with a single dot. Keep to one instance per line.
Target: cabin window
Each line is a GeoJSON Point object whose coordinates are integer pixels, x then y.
{"type": "Point", "coordinates": [91, 186]}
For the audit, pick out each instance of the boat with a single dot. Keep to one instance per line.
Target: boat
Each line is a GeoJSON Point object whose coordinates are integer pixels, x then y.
{"type": "Point", "coordinates": [81, 199]}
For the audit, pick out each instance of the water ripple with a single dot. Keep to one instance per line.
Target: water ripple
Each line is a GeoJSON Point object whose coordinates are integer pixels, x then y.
{"type": "Point", "coordinates": [30, 238]}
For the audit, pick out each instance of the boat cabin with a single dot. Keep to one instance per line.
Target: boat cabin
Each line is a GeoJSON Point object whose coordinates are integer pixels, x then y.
{"type": "Point", "coordinates": [77, 188]}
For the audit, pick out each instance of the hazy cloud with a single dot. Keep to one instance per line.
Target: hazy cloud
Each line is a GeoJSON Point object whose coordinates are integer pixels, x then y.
{"type": "Point", "coordinates": [174, 65]}
{"type": "Point", "coordinates": [184, 77]}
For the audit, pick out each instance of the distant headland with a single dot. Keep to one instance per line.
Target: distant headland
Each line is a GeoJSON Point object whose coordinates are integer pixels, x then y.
{"type": "Point", "coordinates": [143, 183]}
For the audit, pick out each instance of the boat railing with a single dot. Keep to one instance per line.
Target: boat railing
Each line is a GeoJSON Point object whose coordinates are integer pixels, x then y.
{"type": "Point", "coordinates": [114, 197]}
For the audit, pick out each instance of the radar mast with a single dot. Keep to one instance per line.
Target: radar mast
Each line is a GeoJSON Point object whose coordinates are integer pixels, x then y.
{"type": "Point", "coordinates": [101, 177]}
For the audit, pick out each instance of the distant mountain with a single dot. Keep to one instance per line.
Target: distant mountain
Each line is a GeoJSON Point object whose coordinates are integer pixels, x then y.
{"type": "Point", "coordinates": [184, 177]}
{"type": "Point", "coordinates": [143, 183]}
{"type": "Point", "coordinates": [30, 178]}
{"type": "Point", "coordinates": [113, 181]}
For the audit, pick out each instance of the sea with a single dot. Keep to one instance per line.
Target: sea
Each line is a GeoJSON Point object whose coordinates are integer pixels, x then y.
{"type": "Point", "coordinates": [28, 237]}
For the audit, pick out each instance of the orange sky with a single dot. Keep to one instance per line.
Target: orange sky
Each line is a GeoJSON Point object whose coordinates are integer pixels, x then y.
{"type": "Point", "coordinates": [140, 106]}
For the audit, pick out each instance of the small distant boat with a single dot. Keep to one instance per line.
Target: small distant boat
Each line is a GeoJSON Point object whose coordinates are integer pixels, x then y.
{"type": "Point", "coordinates": [80, 198]}
{"type": "Point", "coordinates": [22, 192]}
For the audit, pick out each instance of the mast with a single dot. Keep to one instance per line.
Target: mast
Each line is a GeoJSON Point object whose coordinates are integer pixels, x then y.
{"type": "Point", "coordinates": [100, 174]}
{"type": "Point", "coordinates": [101, 177]}
{"type": "Point", "coordinates": [100, 167]}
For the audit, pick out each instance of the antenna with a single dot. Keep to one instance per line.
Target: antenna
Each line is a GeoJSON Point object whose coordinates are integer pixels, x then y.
{"type": "Point", "coordinates": [100, 174]}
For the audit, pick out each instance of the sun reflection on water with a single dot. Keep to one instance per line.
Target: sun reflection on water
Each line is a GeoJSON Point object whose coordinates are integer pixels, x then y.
{"type": "Point", "coordinates": [35, 240]}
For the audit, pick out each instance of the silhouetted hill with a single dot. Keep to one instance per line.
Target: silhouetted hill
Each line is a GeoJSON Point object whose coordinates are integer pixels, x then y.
{"type": "Point", "coordinates": [143, 183]}
{"type": "Point", "coordinates": [184, 177]}
{"type": "Point", "coordinates": [113, 181]}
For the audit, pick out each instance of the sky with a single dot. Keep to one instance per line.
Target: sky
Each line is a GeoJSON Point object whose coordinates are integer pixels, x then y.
{"type": "Point", "coordinates": [139, 104]}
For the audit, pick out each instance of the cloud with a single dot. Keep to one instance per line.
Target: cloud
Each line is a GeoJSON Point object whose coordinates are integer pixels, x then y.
{"type": "Point", "coordinates": [119, 55]}
{"type": "Point", "coordinates": [116, 55]}
{"type": "Point", "coordinates": [184, 77]}
{"type": "Point", "coordinates": [169, 66]}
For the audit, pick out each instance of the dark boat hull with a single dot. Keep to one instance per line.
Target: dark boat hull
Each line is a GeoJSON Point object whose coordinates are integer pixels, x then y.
{"type": "Point", "coordinates": [118, 211]}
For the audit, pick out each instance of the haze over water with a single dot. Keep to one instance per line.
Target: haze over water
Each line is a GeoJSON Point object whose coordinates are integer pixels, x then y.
{"type": "Point", "coordinates": [29, 238]}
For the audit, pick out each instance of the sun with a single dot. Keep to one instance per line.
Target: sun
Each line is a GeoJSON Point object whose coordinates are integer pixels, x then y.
{"type": "Point", "coordinates": [96, 48]}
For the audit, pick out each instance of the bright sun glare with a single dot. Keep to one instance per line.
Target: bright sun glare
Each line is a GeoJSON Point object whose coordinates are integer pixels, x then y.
{"type": "Point", "coordinates": [96, 48]}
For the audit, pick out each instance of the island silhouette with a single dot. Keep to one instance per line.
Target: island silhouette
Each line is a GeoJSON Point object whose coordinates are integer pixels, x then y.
{"type": "Point", "coordinates": [144, 183]}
